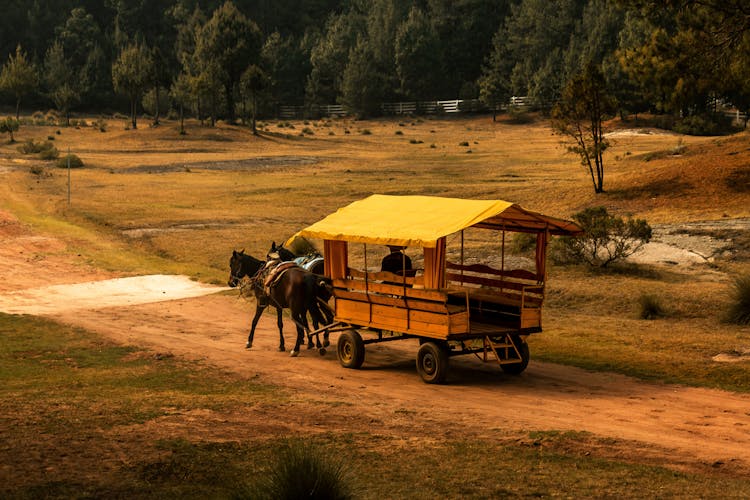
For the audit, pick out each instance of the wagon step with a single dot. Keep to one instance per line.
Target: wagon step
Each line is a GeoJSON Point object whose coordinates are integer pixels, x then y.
{"type": "Point", "coordinates": [503, 350]}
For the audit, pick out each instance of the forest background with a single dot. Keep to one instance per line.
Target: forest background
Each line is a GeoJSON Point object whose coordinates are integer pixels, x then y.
{"type": "Point", "coordinates": [683, 60]}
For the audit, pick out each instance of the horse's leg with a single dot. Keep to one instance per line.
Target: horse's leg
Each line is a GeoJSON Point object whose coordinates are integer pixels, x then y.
{"type": "Point", "coordinates": [299, 316]}
{"type": "Point", "coordinates": [280, 323]}
{"type": "Point", "coordinates": [317, 319]}
{"type": "Point", "coordinates": [258, 311]}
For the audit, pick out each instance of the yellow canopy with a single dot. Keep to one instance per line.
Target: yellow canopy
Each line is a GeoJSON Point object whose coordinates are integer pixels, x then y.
{"type": "Point", "coordinates": [422, 220]}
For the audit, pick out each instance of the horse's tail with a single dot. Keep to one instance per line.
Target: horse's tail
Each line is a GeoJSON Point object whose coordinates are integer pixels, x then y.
{"type": "Point", "coordinates": [323, 294]}
{"type": "Point", "coordinates": [318, 292]}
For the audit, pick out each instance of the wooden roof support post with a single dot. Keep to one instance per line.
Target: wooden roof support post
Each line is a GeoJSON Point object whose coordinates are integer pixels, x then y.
{"type": "Point", "coordinates": [502, 261]}
{"type": "Point", "coordinates": [462, 257]}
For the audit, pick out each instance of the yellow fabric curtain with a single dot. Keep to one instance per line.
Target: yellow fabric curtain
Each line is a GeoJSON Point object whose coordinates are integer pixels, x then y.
{"type": "Point", "coordinates": [336, 258]}
{"type": "Point", "coordinates": [434, 265]}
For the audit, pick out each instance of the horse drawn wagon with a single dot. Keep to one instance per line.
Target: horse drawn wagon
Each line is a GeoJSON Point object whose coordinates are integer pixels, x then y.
{"type": "Point", "coordinates": [452, 306]}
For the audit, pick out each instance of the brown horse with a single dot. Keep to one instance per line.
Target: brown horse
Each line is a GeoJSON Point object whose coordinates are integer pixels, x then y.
{"type": "Point", "coordinates": [295, 289]}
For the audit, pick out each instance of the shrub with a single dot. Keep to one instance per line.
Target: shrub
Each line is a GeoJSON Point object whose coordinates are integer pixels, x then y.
{"type": "Point", "coordinates": [704, 125]}
{"type": "Point", "coordinates": [31, 147]}
{"type": "Point", "coordinates": [651, 307]}
{"type": "Point", "coordinates": [606, 239]}
{"type": "Point", "coordinates": [38, 118]}
{"type": "Point", "coordinates": [739, 310]}
{"type": "Point", "coordinates": [75, 161]}
{"type": "Point", "coordinates": [308, 131]}
{"type": "Point", "coordinates": [301, 471]}
{"type": "Point", "coordinates": [8, 126]}
{"type": "Point", "coordinates": [49, 154]}
{"type": "Point", "coordinates": [37, 170]}
{"type": "Point", "coordinates": [100, 124]}
{"type": "Point", "coordinates": [523, 243]}
{"type": "Point", "coordinates": [45, 149]}
{"type": "Point", "coordinates": [52, 117]}
{"type": "Point", "coordinates": [399, 132]}
{"type": "Point", "coordinates": [464, 144]}
{"type": "Point", "coordinates": [366, 132]}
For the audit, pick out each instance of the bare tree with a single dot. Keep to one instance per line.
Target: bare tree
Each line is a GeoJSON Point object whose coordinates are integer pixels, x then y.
{"type": "Point", "coordinates": [579, 115]}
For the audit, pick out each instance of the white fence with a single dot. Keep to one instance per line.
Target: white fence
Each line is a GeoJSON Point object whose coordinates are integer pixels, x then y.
{"type": "Point", "coordinates": [388, 108]}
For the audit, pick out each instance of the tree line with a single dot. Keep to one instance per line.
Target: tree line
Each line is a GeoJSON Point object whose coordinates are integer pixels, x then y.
{"type": "Point", "coordinates": [241, 58]}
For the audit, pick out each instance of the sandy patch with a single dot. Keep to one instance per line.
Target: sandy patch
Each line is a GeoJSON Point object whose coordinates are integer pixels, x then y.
{"type": "Point", "coordinates": [105, 293]}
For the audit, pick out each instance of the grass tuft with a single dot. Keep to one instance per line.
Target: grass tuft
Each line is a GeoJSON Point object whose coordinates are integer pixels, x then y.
{"type": "Point", "coordinates": [651, 307]}
{"type": "Point", "coordinates": [74, 160]}
{"type": "Point", "coordinates": [739, 310]}
{"type": "Point", "coordinates": [304, 471]}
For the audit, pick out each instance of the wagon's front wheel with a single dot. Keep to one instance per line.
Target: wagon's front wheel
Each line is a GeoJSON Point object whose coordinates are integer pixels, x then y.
{"type": "Point", "coordinates": [523, 350]}
{"type": "Point", "coordinates": [432, 363]}
{"type": "Point", "coordinates": [351, 349]}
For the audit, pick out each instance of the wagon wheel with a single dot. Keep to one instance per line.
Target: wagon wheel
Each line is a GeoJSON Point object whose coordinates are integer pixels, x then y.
{"type": "Point", "coordinates": [523, 349]}
{"type": "Point", "coordinates": [351, 349]}
{"type": "Point", "coordinates": [432, 362]}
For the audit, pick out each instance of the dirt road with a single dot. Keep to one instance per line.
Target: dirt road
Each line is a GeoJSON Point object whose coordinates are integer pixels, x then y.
{"type": "Point", "coordinates": [680, 427]}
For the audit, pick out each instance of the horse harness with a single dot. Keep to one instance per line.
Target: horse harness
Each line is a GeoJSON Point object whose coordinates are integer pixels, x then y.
{"type": "Point", "coordinates": [273, 273]}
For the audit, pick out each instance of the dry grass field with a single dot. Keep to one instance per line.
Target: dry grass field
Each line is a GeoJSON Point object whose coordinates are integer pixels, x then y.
{"type": "Point", "coordinates": [153, 201]}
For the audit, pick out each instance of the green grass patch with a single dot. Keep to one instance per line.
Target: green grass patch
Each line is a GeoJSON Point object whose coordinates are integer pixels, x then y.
{"type": "Point", "coordinates": [381, 467]}
{"type": "Point", "coordinates": [674, 351]}
{"type": "Point", "coordinates": [68, 395]}
{"type": "Point", "coordinates": [66, 378]}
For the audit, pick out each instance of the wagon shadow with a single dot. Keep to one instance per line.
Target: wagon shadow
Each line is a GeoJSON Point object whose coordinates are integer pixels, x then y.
{"type": "Point", "coordinates": [470, 372]}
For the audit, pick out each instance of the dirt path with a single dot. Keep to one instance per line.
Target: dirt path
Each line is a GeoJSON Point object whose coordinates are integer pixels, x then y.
{"type": "Point", "coordinates": [668, 425]}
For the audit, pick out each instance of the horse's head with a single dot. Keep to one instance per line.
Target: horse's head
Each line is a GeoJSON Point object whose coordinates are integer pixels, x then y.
{"type": "Point", "coordinates": [278, 252]}
{"type": "Point", "coordinates": [236, 272]}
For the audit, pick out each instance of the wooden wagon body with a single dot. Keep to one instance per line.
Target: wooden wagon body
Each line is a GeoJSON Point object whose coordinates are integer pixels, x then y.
{"type": "Point", "coordinates": [452, 307]}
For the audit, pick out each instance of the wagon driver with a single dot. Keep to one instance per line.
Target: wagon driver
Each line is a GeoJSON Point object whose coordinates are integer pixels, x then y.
{"type": "Point", "coordinates": [396, 261]}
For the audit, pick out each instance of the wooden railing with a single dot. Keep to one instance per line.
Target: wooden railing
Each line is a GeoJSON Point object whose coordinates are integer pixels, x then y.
{"type": "Point", "coordinates": [517, 286]}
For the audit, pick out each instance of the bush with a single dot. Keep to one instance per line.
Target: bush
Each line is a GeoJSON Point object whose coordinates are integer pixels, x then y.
{"type": "Point", "coordinates": [100, 124]}
{"type": "Point", "coordinates": [651, 307]}
{"type": "Point", "coordinates": [8, 126]}
{"type": "Point", "coordinates": [606, 239]}
{"type": "Point", "coordinates": [49, 154]}
{"type": "Point", "coordinates": [704, 125]}
{"type": "Point", "coordinates": [523, 243]}
{"type": "Point", "coordinates": [301, 471]}
{"type": "Point", "coordinates": [53, 117]}
{"type": "Point", "coordinates": [739, 310]}
{"type": "Point", "coordinates": [45, 149]}
{"type": "Point", "coordinates": [38, 118]}
{"type": "Point", "coordinates": [75, 161]}
{"type": "Point", "coordinates": [37, 170]}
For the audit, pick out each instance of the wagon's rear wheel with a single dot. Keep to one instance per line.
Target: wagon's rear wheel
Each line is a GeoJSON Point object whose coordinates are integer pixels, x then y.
{"type": "Point", "coordinates": [351, 349]}
{"type": "Point", "coordinates": [523, 350]}
{"type": "Point", "coordinates": [432, 362]}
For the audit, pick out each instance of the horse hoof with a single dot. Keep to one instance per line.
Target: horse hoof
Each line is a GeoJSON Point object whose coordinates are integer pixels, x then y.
{"type": "Point", "coordinates": [326, 343]}
{"type": "Point", "coordinates": [294, 354]}
{"type": "Point", "coordinates": [322, 351]}
{"type": "Point", "coordinates": [248, 345]}
{"type": "Point", "coordinates": [282, 349]}
{"type": "Point", "coordinates": [310, 346]}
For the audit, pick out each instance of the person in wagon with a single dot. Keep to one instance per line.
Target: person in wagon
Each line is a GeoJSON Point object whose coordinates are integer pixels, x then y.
{"type": "Point", "coordinates": [397, 261]}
